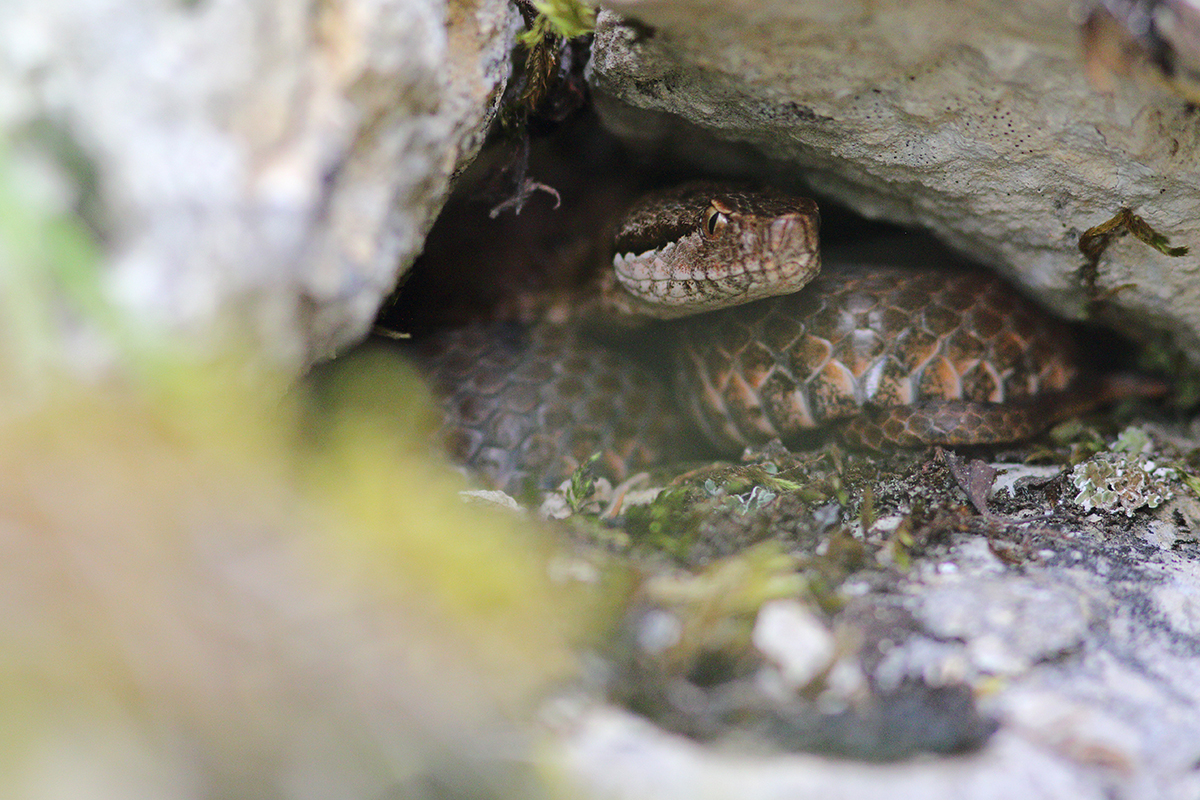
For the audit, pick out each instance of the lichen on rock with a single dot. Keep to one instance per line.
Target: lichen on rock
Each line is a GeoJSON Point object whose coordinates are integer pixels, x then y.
{"type": "Point", "coordinates": [1122, 482]}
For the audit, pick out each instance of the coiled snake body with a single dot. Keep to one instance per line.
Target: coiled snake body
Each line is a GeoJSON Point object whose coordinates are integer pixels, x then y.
{"type": "Point", "coordinates": [763, 348]}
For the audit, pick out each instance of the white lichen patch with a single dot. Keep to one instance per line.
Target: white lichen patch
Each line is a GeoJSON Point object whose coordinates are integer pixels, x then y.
{"type": "Point", "coordinates": [1122, 482]}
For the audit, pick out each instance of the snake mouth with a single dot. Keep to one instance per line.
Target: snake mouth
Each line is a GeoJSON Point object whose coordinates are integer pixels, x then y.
{"type": "Point", "coordinates": [705, 249]}
{"type": "Point", "coordinates": [752, 260]}
{"type": "Point", "coordinates": [628, 263]}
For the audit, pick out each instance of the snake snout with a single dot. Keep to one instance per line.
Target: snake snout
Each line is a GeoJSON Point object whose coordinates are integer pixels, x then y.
{"type": "Point", "coordinates": [792, 234]}
{"type": "Point", "coordinates": [790, 252]}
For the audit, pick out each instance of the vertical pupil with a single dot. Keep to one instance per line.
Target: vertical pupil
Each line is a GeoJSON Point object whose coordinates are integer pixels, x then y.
{"type": "Point", "coordinates": [712, 221]}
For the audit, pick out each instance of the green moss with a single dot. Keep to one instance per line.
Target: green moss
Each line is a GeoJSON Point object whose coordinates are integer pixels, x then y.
{"type": "Point", "coordinates": [563, 18]}
{"type": "Point", "coordinates": [1192, 482]}
{"type": "Point", "coordinates": [669, 524]}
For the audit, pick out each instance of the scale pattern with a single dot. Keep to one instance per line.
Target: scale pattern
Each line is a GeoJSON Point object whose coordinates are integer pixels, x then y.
{"type": "Point", "coordinates": [870, 340]}
{"type": "Point", "coordinates": [891, 357]}
{"type": "Point", "coordinates": [524, 406]}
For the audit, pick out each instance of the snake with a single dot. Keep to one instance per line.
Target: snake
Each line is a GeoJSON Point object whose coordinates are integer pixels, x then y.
{"type": "Point", "coordinates": [762, 341]}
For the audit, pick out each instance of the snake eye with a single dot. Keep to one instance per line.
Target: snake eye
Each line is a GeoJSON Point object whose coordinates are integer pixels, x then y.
{"type": "Point", "coordinates": [714, 221]}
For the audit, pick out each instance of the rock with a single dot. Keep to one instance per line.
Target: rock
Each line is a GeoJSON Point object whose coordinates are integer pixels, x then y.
{"type": "Point", "coordinates": [1085, 656]}
{"type": "Point", "coordinates": [794, 640]}
{"type": "Point", "coordinates": [265, 166]}
{"type": "Point", "coordinates": [975, 121]}
{"type": "Point", "coordinates": [994, 613]}
{"type": "Point", "coordinates": [618, 756]}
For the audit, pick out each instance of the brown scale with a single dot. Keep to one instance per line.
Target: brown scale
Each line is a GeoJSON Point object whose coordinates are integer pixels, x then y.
{"type": "Point", "coordinates": [525, 405]}
{"type": "Point", "coordinates": [917, 357]}
{"type": "Point", "coordinates": [876, 353]}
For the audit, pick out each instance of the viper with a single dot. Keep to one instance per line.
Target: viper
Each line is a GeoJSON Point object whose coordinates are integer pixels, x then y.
{"type": "Point", "coordinates": [762, 342]}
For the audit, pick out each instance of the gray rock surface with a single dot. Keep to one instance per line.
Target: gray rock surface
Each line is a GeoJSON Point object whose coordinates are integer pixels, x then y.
{"type": "Point", "coordinates": [1085, 656]}
{"type": "Point", "coordinates": [266, 166]}
{"type": "Point", "coordinates": [974, 120]}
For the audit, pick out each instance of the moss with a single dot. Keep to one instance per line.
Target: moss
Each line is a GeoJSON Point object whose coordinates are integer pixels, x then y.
{"type": "Point", "coordinates": [50, 267]}
{"type": "Point", "coordinates": [562, 18]}
{"type": "Point", "coordinates": [674, 523]}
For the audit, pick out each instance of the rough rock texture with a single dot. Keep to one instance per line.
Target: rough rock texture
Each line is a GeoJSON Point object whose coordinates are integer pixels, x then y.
{"type": "Point", "coordinates": [266, 164]}
{"type": "Point", "coordinates": [973, 119]}
{"type": "Point", "coordinates": [1085, 656]}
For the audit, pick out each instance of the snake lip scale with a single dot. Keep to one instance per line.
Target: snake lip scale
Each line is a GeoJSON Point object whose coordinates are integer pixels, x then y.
{"type": "Point", "coordinates": [704, 246]}
{"type": "Point", "coordinates": [764, 345]}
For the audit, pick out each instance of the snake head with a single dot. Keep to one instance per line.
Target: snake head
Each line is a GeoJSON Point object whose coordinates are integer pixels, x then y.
{"type": "Point", "coordinates": [703, 246]}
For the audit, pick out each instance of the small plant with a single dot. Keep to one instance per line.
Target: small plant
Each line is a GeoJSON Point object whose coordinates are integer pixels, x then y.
{"type": "Point", "coordinates": [560, 18]}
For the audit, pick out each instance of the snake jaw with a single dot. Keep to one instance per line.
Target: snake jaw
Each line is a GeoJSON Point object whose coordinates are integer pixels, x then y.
{"type": "Point", "coordinates": [732, 251]}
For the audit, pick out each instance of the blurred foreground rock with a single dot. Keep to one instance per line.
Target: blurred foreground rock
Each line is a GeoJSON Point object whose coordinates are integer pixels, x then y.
{"type": "Point", "coordinates": [1078, 637]}
{"type": "Point", "coordinates": [265, 166]}
{"type": "Point", "coordinates": [203, 598]}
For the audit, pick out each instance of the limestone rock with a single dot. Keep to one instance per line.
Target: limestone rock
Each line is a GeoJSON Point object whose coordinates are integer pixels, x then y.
{"type": "Point", "coordinates": [974, 120]}
{"type": "Point", "coordinates": [266, 165]}
{"type": "Point", "coordinates": [1085, 658]}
